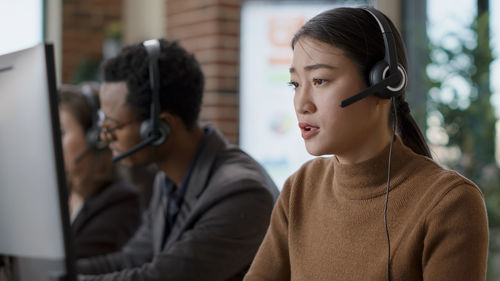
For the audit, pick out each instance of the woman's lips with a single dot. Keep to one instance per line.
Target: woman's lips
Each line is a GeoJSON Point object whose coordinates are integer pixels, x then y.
{"type": "Point", "coordinates": [308, 130]}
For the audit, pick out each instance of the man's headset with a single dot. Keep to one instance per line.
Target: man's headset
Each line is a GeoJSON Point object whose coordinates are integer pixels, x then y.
{"type": "Point", "coordinates": [153, 131]}
{"type": "Point", "coordinates": [94, 141]}
{"type": "Point", "coordinates": [387, 77]}
{"type": "Point", "coordinates": [388, 80]}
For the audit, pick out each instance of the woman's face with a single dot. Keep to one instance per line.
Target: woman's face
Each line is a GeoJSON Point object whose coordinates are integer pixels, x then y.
{"type": "Point", "coordinates": [73, 141]}
{"type": "Point", "coordinates": [323, 76]}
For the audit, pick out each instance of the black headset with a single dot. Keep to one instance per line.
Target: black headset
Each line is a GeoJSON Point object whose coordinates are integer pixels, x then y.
{"type": "Point", "coordinates": [387, 77]}
{"type": "Point", "coordinates": [388, 80]}
{"type": "Point", "coordinates": [153, 131]}
{"type": "Point", "coordinates": [92, 134]}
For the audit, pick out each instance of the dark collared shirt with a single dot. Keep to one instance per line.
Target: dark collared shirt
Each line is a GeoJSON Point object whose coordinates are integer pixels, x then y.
{"type": "Point", "coordinates": [173, 197]}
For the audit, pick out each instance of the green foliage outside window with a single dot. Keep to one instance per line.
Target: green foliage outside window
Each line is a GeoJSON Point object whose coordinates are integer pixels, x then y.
{"type": "Point", "coordinates": [460, 94]}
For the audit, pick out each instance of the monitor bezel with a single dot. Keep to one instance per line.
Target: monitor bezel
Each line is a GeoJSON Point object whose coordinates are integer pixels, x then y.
{"type": "Point", "coordinates": [59, 162]}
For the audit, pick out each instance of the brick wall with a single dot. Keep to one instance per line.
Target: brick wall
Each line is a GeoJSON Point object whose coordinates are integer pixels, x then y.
{"type": "Point", "coordinates": [84, 31]}
{"type": "Point", "coordinates": [210, 29]}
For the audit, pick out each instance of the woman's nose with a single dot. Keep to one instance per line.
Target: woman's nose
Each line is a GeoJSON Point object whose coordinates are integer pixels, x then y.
{"type": "Point", "coordinates": [303, 101]}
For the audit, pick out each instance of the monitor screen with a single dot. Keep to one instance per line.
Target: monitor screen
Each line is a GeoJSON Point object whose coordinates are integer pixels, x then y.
{"type": "Point", "coordinates": [34, 224]}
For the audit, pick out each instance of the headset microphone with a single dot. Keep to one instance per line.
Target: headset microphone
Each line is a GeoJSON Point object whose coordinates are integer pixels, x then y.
{"type": "Point", "coordinates": [377, 88]}
{"type": "Point", "coordinates": [135, 149]}
{"type": "Point", "coordinates": [153, 131]}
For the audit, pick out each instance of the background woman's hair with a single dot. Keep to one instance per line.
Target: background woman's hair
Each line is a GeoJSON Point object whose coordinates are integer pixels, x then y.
{"type": "Point", "coordinates": [72, 99]}
{"type": "Point", "coordinates": [357, 33]}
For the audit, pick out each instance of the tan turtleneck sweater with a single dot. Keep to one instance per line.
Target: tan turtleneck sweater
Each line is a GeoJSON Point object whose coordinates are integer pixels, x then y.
{"type": "Point", "coordinates": [328, 223]}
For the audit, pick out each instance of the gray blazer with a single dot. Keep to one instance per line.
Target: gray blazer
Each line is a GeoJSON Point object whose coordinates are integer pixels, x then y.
{"type": "Point", "coordinates": [221, 223]}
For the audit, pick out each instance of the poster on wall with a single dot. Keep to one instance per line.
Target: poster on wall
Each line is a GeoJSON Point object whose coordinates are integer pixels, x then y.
{"type": "Point", "coordinates": [21, 24]}
{"type": "Point", "coordinates": [268, 125]}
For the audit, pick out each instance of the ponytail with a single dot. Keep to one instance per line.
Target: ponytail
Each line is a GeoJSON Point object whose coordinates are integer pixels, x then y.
{"type": "Point", "coordinates": [409, 131]}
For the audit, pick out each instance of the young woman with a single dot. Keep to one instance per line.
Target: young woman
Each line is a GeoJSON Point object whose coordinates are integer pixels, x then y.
{"type": "Point", "coordinates": [104, 211]}
{"type": "Point", "coordinates": [341, 218]}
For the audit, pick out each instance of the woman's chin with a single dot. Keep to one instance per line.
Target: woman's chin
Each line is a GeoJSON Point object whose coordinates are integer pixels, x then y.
{"type": "Point", "coordinates": [313, 150]}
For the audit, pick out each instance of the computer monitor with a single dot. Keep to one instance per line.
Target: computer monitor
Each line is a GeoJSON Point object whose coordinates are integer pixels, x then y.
{"type": "Point", "coordinates": [34, 219]}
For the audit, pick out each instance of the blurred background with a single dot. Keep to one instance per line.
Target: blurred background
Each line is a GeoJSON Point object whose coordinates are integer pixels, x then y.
{"type": "Point", "coordinates": [244, 49]}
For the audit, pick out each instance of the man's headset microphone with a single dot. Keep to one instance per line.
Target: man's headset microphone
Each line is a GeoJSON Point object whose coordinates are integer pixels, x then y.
{"type": "Point", "coordinates": [388, 80]}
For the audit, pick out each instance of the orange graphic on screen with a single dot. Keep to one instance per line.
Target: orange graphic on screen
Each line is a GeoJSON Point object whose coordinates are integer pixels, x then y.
{"type": "Point", "coordinates": [281, 31]}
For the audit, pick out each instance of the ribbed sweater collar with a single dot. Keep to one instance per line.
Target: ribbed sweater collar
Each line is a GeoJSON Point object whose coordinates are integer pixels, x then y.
{"type": "Point", "coordinates": [368, 179]}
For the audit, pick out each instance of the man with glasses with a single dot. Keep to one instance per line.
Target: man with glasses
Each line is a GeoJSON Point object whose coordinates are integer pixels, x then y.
{"type": "Point", "coordinates": [107, 131]}
{"type": "Point", "coordinates": [211, 202]}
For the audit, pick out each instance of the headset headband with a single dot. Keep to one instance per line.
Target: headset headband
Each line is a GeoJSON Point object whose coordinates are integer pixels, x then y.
{"type": "Point", "coordinates": [390, 57]}
{"type": "Point", "coordinates": [387, 77]}
{"type": "Point", "coordinates": [153, 49]}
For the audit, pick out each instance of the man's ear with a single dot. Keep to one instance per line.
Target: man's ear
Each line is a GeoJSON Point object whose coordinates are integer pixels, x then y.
{"type": "Point", "coordinates": [169, 118]}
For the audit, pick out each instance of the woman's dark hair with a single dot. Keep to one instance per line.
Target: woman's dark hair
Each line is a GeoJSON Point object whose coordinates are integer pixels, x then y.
{"type": "Point", "coordinates": [73, 99]}
{"type": "Point", "coordinates": [357, 33]}
{"type": "Point", "coordinates": [181, 79]}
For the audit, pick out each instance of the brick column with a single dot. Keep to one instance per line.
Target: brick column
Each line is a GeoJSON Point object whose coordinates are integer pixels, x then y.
{"type": "Point", "coordinates": [84, 31]}
{"type": "Point", "coordinates": [210, 29]}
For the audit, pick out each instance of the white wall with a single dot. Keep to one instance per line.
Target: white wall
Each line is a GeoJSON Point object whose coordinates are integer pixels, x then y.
{"type": "Point", "coordinates": [53, 31]}
{"type": "Point", "coordinates": [20, 24]}
{"type": "Point", "coordinates": [143, 20]}
{"type": "Point", "coordinates": [392, 8]}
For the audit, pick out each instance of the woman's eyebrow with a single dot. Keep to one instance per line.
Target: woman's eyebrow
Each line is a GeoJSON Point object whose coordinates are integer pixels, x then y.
{"type": "Point", "coordinates": [318, 66]}
{"type": "Point", "coordinates": [314, 67]}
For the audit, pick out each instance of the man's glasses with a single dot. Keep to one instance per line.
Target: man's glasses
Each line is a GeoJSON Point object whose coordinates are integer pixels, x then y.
{"type": "Point", "coordinates": [103, 124]}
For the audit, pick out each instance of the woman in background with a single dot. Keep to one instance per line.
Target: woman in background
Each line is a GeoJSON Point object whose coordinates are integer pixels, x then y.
{"type": "Point", "coordinates": [105, 212]}
{"type": "Point", "coordinates": [345, 217]}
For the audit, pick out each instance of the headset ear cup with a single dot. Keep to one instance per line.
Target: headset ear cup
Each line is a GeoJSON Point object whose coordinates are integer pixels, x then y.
{"type": "Point", "coordinates": [146, 131]}
{"type": "Point", "coordinates": [90, 93]}
{"type": "Point", "coordinates": [404, 80]}
{"type": "Point", "coordinates": [377, 75]}
{"type": "Point", "coordinates": [94, 140]}
{"type": "Point", "coordinates": [377, 72]}
{"type": "Point", "coordinates": [91, 138]}
{"type": "Point", "coordinates": [164, 131]}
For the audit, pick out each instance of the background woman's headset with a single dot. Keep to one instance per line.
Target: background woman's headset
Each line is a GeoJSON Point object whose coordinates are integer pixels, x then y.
{"type": "Point", "coordinates": [92, 134]}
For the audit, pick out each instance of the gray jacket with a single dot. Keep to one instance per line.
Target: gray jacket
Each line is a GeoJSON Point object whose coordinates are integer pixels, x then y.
{"type": "Point", "coordinates": [224, 217]}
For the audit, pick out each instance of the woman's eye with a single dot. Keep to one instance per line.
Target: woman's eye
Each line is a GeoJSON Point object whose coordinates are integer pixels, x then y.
{"type": "Point", "coordinates": [293, 84]}
{"type": "Point", "coordinates": [318, 81]}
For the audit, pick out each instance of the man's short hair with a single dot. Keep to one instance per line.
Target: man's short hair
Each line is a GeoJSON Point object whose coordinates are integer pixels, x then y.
{"type": "Point", "coordinates": [181, 79]}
